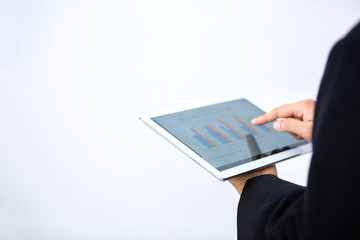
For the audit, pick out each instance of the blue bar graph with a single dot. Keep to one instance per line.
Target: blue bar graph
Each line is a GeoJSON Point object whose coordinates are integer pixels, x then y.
{"type": "Point", "coordinates": [231, 133]}
{"type": "Point", "coordinates": [212, 133]}
{"type": "Point", "coordinates": [202, 141]}
{"type": "Point", "coordinates": [247, 130]}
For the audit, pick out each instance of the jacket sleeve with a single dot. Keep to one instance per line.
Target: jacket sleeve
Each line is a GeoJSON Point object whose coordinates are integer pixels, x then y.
{"type": "Point", "coordinates": [270, 208]}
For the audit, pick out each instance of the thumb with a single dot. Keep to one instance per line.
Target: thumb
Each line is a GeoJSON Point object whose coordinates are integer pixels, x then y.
{"type": "Point", "coordinates": [294, 126]}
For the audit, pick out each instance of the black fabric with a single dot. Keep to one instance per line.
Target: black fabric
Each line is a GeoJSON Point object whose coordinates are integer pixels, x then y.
{"type": "Point", "coordinates": [329, 207]}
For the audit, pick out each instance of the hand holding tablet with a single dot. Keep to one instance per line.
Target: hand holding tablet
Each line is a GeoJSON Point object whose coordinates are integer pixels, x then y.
{"type": "Point", "coordinates": [221, 138]}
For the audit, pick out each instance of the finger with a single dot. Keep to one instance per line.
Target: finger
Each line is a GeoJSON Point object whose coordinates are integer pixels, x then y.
{"type": "Point", "coordinates": [285, 111]}
{"type": "Point", "coordinates": [294, 126]}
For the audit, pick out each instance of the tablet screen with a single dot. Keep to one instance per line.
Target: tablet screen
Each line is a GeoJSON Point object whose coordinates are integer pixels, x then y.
{"type": "Point", "coordinates": [222, 134]}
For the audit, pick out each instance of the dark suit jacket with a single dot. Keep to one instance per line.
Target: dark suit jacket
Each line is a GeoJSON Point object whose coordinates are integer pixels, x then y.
{"type": "Point", "coordinates": [329, 207]}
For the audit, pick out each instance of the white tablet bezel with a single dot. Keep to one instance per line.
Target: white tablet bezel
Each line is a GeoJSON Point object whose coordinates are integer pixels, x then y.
{"type": "Point", "coordinates": [228, 173]}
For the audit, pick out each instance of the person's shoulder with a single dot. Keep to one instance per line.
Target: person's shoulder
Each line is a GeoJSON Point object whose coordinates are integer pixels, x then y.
{"type": "Point", "coordinates": [355, 32]}
{"type": "Point", "coordinates": [348, 47]}
{"type": "Point", "coordinates": [352, 39]}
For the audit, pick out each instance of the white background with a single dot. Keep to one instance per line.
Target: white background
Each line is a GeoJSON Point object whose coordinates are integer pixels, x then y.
{"type": "Point", "coordinates": [75, 161]}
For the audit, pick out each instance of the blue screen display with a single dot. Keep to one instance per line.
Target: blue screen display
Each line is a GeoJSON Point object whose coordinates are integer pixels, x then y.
{"type": "Point", "coordinates": [222, 134]}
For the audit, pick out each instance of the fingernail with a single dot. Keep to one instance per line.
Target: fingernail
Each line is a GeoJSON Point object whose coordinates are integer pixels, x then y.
{"type": "Point", "coordinates": [277, 125]}
{"type": "Point", "coordinates": [254, 120]}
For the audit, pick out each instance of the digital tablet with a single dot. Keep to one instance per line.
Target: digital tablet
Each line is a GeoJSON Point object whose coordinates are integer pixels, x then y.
{"type": "Point", "coordinates": [222, 140]}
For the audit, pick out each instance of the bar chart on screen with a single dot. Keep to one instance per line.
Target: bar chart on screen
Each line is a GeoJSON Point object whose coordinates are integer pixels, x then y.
{"type": "Point", "coordinates": [229, 129]}
{"type": "Point", "coordinates": [220, 133]}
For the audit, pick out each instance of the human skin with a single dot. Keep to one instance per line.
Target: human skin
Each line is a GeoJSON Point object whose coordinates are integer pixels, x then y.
{"type": "Point", "coordinates": [296, 119]}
